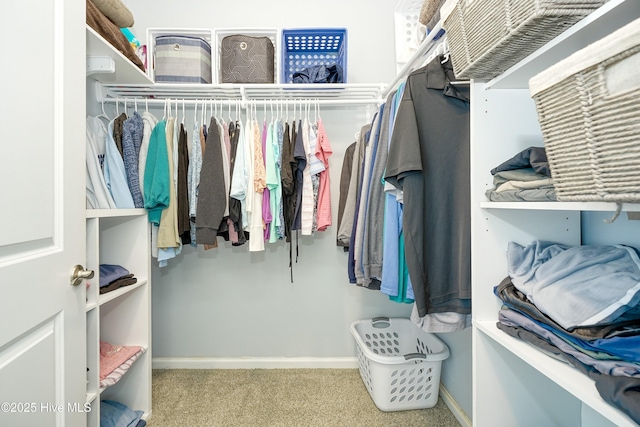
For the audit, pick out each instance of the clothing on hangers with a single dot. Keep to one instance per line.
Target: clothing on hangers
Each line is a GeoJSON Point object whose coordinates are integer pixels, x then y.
{"type": "Point", "coordinates": [132, 129]}
{"type": "Point", "coordinates": [97, 192]}
{"type": "Point", "coordinates": [429, 161]}
{"type": "Point", "coordinates": [257, 168]}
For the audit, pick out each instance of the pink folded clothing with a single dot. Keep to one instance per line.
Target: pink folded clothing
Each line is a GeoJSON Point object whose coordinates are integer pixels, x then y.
{"type": "Point", "coordinates": [112, 356]}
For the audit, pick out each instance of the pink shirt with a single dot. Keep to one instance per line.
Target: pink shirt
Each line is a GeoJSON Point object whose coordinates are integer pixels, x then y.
{"type": "Point", "coordinates": [323, 151]}
{"type": "Point", "coordinates": [112, 356]}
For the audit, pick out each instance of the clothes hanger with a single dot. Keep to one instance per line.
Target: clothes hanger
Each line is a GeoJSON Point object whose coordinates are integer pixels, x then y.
{"type": "Point", "coordinates": [271, 105]}
{"type": "Point", "coordinates": [195, 112]}
{"type": "Point", "coordinates": [103, 114]}
{"type": "Point", "coordinates": [445, 50]}
{"type": "Point", "coordinates": [293, 116]}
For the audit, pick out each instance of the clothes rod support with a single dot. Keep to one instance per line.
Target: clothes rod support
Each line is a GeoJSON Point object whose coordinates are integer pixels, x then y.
{"type": "Point", "coordinates": [100, 65]}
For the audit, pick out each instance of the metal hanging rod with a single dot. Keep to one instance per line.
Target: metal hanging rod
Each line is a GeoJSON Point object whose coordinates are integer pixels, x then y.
{"type": "Point", "coordinates": [240, 102]}
{"type": "Point", "coordinates": [324, 94]}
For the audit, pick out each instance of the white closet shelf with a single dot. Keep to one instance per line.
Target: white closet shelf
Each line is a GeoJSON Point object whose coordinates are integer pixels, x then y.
{"type": "Point", "coordinates": [110, 296]}
{"type": "Point", "coordinates": [123, 71]}
{"type": "Point", "coordinates": [603, 21]}
{"type": "Point", "coordinates": [106, 213]}
{"type": "Point", "coordinates": [569, 378]}
{"type": "Point", "coordinates": [91, 397]}
{"type": "Point", "coordinates": [562, 206]}
{"type": "Point", "coordinates": [135, 363]}
{"type": "Point", "coordinates": [133, 83]}
{"type": "Point", "coordinates": [335, 94]}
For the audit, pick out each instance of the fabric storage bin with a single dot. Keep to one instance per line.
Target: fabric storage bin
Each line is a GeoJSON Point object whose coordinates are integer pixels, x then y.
{"type": "Point", "coordinates": [309, 47]}
{"type": "Point", "coordinates": [486, 37]}
{"type": "Point", "coordinates": [182, 59]}
{"type": "Point", "coordinates": [246, 55]}
{"type": "Point", "coordinates": [399, 363]}
{"type": "Point", "coordinates": [589, 111]}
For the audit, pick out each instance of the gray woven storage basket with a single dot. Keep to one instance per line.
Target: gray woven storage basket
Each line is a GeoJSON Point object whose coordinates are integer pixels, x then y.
{"type": "Point", "coordinates": [589, 112]}
{"type": "Point", "coordinates": [486, 37]}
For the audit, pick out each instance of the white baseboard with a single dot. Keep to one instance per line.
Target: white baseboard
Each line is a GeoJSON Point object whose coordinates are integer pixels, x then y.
{"type": "Point", "coordinates": [455, 409]}
{"type": "Point", "coordinates": [253, 362]}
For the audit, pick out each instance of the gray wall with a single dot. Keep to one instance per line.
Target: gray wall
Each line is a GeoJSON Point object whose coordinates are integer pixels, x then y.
{"type": "Point", "coordinates": [227, 302]}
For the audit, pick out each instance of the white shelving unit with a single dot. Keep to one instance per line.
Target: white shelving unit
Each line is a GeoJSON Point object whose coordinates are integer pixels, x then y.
{"type": "Point", "coordinates": [123, 316]}
{"type": "Point", "coordinates": [117, 236]}
{"type": "Point", "coordinates": [121, 70]}
{"type": "Point", "coordinates": [513, 382]}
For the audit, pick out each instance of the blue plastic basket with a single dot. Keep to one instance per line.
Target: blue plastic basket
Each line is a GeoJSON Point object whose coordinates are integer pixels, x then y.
{"type": "Point", "coordinates": [303, 48]}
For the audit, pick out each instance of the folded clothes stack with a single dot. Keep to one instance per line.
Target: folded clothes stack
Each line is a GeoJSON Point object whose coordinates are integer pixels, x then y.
{"type": "Point", "coordinates": [523, 178]}
{"type": "Point", "coordinates": [580, 305]}
{"type": "Point", "coordinates": [116, 414]}
{"type": "Point", "coordinates": [113, 276]}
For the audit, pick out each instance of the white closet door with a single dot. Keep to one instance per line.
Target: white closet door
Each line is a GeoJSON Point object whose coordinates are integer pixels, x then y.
{"type": "Point", "coordinates": [42, 232]}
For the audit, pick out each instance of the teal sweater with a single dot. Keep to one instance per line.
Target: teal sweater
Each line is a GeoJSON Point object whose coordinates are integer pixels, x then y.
{"type": "Point", "coordinates": [156, 174]}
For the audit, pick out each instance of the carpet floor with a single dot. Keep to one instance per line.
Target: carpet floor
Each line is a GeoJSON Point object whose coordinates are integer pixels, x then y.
{"type": "Point", "coordinates": [276, 398]}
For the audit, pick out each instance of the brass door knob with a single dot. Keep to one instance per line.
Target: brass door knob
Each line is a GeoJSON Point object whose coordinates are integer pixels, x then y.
{"type": "Point", "coordinates": [78, 273]}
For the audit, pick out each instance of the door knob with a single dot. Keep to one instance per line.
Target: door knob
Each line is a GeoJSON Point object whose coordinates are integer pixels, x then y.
{"type": "Point", "coordinates": [78, 273]}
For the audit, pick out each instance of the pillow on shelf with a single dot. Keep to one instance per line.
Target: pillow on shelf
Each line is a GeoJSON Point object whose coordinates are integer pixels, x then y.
{"type": "Point", "coordinates": [116, 11]}
{"type": "Point", "coordinates": [110, 32]}
{"type": "Point", "coordinates": [430, 12]}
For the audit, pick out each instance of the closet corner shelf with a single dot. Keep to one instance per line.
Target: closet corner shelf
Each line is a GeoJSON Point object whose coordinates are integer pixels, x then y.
{"type": "Point", "coordinates": [562, 206]}
{"type": "Point", "coordinates": [609, 17]}
{"type": "Point", "coordinates": [125, 70]}
{"type": "Point", "coordinates": [569, 378]}
{"type": "Point", "coordinates": [110, 296]}
{"type": "Point", "coordinates": [106, 213]}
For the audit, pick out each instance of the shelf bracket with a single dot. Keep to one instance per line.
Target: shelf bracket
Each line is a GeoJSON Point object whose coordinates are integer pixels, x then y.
{"type": "Point", "coordinates": [100, 65]}
{"type": "Point", "coordinates": [243, 97]}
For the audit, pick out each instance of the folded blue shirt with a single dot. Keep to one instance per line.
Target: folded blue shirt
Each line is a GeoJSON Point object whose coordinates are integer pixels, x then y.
{"type": "Point", "coordinates": [116, 414]}
{"type": "Point", "coordinates": [577, 286]}
{"type": "Point", "coordinates": [110, 273]}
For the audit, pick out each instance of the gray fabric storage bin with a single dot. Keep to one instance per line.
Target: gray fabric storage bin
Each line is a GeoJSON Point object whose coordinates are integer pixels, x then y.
{"type": "Point", "coordinates": [183, 59]}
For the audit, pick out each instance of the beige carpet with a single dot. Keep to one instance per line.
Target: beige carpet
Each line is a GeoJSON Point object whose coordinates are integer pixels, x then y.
{"type": "Point", "coordinates": [276, 397]}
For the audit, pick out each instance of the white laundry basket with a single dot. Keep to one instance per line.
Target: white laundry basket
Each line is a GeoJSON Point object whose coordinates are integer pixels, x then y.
{"type": "Point", "coordinates": [399, 363]}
